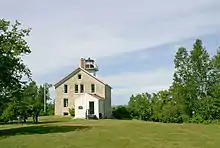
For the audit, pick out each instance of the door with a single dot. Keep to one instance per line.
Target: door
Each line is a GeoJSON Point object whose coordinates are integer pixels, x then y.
{"type": "Point", "coordinates": [91, 107]}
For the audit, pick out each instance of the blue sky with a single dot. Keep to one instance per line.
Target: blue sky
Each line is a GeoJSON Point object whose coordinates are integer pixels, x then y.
{"type": "Point", "coordinates": [133, 42]}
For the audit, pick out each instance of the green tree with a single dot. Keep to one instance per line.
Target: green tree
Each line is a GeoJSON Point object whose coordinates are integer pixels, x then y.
{"type": "Point", "coordinates": [199, 68]}
{"type": "Point", "coordinates": [12, 47]}
{"type": "Point", "coordinates": [182, 82]}
{"type": "Point", "coordinates": [156, 108]}
{"type": "Point", "coordinates": [33, 96]}
{"type": "Point", "coordinates": [9, 113]}
{"type": "Point", "coordinates": [50, 109]}
{"type": "Point", "coordinates": [190, 84]}
{"type": "Point", "coordinates": [140, 107]}
{"type": "Point", "coordinates": [210, 106]}
{"type": "Point", "coordinates": [194, 95]}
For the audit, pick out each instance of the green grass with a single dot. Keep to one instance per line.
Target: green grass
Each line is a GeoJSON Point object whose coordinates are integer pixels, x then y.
{"type": "Point", "coordinates": [63, 132]}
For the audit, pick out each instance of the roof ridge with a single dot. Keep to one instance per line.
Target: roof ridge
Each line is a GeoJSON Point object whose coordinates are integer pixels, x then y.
{"type": "Point", "coordinates": [67, 77]}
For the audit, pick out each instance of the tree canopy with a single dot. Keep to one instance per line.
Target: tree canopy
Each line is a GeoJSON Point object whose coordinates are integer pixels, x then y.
{"type": "Point", "coordinates": [19, 94]}
{"type": "Point", "coordinates": [194, 95]}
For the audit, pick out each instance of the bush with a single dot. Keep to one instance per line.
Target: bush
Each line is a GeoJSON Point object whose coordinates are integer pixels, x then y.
{"type": "Point", "coordinates": [185, 118]}
{"type": "Point", "coordinates": [211, 122]}
{"type": "Point", "coordinates": [207, 121]}
{"type": "Point", "coordinates": [43, 113]}
{"type": "Point", "coordinates": [171, 114]}
{"type": "Point", "coordinates": [72, 112]}
{"type": "Point", "coordinates": [9, 113]}
{"type": "Point", "coordinates": [121, 112]}
{"type": "Point", "coordinates": [215, 121]}
{"type": "Point", "coordinates": [196, 119]}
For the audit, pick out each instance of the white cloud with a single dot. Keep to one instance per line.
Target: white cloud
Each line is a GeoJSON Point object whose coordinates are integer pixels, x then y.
{"type": "Point", "coordinates": [138, 82]}
{"type": "Point", "coordinates": [65, 31]}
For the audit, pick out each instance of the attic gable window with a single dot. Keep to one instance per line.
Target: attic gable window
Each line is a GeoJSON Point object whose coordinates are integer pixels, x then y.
{"type": "Point", "coordinates": [79, 76]}
{"type": "Point", "coordinates": [65, 88]}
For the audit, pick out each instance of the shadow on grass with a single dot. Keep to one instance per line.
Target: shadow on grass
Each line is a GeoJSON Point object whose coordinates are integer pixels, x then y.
{"type": "Point", "coordinates": [43, 129]}
{"type": "Point", "coordinates": [44, 122]}
{"type": "Point", "coordinates": [31, 122]}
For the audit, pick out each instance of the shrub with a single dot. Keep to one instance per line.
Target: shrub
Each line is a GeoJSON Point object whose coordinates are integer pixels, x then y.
{"type": "Point", "coordinates": [196, 119]}
{"type": "Point", "coordinates": [72, 111]}
{"type": "Point", "coordinates": [215, 121]}
{"type": "Point", "coordinates": [185, 118]}
{"type": "Point", "coordinates": [211, 122]}
{"type": "Point", "coordinates": [121, 112]}
{"type": "Point", "coordinates": [171, 114]}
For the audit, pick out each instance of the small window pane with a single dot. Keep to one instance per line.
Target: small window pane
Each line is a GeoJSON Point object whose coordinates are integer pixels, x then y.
{"type": "Point", "coordinates": [79, 76]}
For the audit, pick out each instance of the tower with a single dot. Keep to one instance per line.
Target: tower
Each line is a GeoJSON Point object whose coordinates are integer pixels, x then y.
{"type": "Point", "coordinates": [89, 65]}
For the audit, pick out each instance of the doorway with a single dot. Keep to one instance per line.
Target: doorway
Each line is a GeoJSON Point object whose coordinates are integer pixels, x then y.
{"type": "Point", "coordinates": [91, 107]}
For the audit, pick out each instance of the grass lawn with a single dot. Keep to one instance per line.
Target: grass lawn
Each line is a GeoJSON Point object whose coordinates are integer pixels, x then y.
{"type": "Point", "coordinates": [63, 132]}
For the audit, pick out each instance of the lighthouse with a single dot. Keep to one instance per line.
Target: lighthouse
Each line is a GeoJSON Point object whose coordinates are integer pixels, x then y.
{"type": "Point", "coordinates": [89, 65]}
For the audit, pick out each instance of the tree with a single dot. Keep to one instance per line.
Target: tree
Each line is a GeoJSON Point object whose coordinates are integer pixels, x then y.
{"type": "Point", "coordinates": [194, 95]}
{"type": "Point", "coordinates": [210, 106]}
{"type": "Point", "coordinates": [9, 113]}
{"type": "Point", "coordinates": [156, 108]}
{"type": "Point", "coordinates": [50, 109]}
{"type": "Point", "coordinates": [182, 81]}
{"type": "Point", "coordinates": [200, 68]}
{"type": "Point", "coordinates": [12, 47]}
{"type": "Point", "coordinates": [140, 107]}
{"type": "Point", "coordinates": [191, 80]}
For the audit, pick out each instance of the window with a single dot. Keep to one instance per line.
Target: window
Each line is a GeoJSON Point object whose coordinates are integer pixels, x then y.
{"type": "Point", "coordinates": [87, 66]}
{"type": "Point", "coordinates": [80, 107]}
{"type": "Point", "coordinates": [65, 88]}
{"type": "Point", "coordinates": [81, 88]}
{"type": "Point", "coordinates": [65, 114]}
{"type": "Point", "coordinates": [65, 102]}
{"type": "Point", "coordinates": [76, 88]}
{"type": "Point", "coordinates": [92, 88]}
{"type": "Point", "coordinates": [79, 76]}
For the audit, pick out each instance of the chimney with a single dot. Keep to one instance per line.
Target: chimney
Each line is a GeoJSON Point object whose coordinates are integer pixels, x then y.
{"type": "Point", "coordinates": [82, 63]}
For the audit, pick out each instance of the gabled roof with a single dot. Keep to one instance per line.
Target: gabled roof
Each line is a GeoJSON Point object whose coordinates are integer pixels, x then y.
{"type": "Point", "coordinates": [75, 72]}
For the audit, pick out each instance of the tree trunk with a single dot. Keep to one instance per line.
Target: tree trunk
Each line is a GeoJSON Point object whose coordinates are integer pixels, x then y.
{"type": "Point", "coordinates": [34, 118]}
{"type": "Point", "coordinates": [25, 117]}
